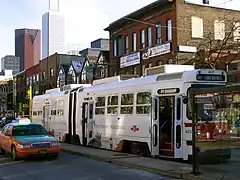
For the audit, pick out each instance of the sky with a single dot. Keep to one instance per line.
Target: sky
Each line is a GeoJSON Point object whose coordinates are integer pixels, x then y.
{"type": "Point", "coordinates": [85, 19]}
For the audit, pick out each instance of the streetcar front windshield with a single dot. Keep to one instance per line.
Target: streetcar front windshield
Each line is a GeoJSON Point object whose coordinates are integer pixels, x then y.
{"type": "Point", "coordinates": [206, 105]}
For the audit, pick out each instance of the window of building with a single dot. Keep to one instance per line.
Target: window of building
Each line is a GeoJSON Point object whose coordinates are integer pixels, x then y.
{"type": "Point", "coordinates": [236, 32]}
{"type": "Point", "coordinates": [234, 66]}
{"type": "Point", "coordinates": [126, 45]}
{"type": "Point", "coordinates": [134, 42]}
{"type": "Point", "coordinates": [143, 69]}
{"type": "Point", "coordinates": [51, 72]}
{"type": "Point", "coordinates": [219, 30]}
{"type": "Point", "coordinates": [159, 62]}
{"type": "Point", "coordinates": [159, 34]}
{"type": "Point", "coordinates": [142, 39]}
{"type": "Point", "coordinates": [169, 30]}
{"type": "Point", "coordinates": [126, 104]}
{"type": "Point", "coordinates": [43, 75]}
{"type": "Point", "coordinates": [37, 77]}
{"type": "Point", "coordinates": [149, 36]}
{"type": "Point", "coordinates": [197, 27]}
{"type": "Point", "coordinates": [114, 47]}
{"type": "Point", "coordinates": [34, 80]}
{"type": "Point", "coordinates": [135, 70]}
{"type": "Point", "coordinates": [119, 46]}
{"type": "Point", "coordinates": [112, 105]}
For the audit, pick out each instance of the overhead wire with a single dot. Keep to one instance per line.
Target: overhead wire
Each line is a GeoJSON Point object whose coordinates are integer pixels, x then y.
{"type": "Point", "coordinates": [156, 25]}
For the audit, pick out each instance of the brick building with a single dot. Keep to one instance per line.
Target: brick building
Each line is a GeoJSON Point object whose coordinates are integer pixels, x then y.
{"type": "Point", "coordinates": [165, 31]}
{"type": "Point", "coordinates": [50, 70]}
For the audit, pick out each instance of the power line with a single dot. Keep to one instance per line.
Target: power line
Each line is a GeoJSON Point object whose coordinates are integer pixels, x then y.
{"type": "Point", "coordinates": [225, 2]}
{"type": "Point", "coordinates": [179, 28]}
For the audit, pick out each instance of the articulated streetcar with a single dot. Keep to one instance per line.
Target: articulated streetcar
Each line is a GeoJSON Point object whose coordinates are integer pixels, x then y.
{"type": "Point", "coordinates": [148, 115]}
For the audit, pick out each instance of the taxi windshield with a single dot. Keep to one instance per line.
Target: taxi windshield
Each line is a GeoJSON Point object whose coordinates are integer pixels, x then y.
{"type": "Point", "coordinates": [28, 130]}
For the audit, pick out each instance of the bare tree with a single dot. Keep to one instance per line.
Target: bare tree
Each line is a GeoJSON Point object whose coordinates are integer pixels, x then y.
{"type": "Point", "coordinates": [221, 46]}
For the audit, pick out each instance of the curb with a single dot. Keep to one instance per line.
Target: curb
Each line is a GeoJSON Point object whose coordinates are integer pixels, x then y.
{"type": "Point", "coordinates": [170, 174]}
{"type": "Point", "coordinates": [95, 157]}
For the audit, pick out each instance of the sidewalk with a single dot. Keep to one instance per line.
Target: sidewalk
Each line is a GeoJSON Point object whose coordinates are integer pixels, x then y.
{"type": "Point", "coordinates": [167, 168]}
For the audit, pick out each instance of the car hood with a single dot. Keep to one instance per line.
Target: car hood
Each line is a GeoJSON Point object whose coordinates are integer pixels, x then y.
{"type": "Point", "coordinates": [32, 139]}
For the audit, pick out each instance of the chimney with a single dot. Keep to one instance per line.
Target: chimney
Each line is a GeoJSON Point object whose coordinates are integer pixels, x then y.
{"type": "Point", "coordinates": [205, 1]}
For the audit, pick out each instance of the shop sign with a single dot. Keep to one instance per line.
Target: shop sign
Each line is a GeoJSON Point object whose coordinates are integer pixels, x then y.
{"type": "Point", "coordinates": [157, 51]}
{"type": "Point", "coordinates": [130, 60]}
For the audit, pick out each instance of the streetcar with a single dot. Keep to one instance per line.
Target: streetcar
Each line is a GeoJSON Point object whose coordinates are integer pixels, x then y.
{"type": "Point", "coordinates": [149, 115]}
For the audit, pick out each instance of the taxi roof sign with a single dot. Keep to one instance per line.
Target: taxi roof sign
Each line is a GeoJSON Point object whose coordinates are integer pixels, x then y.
{"type": "Point", "coordinates": [24, 121]}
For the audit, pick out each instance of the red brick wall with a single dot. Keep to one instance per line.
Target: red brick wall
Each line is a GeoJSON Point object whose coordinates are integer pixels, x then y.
{"type": "Point", "coordinates": [152, 18]}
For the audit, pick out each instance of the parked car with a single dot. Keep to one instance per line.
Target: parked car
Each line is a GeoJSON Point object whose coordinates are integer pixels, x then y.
{"type": "Point", "coordinates": [6, 120]}
{"type": "Point", "coordinates": [1, 121]}
{"type": "Point", "coordinates": [24, 138]}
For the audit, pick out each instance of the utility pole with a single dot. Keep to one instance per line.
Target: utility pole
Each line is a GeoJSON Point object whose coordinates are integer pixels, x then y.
{"type": "Point", "coordinates": [30, 100]}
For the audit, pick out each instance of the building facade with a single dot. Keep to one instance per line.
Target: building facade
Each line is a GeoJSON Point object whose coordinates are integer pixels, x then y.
{"type": "Point", "coordinates": [28, 47]}
{"type": "Point", "coordinates": [11, 62]}
{"type": "Point", "coordinates": [160, 33]}
{"type": "Point", "coordinates": [6, 78]}
{"type": "Point", "coordinates": [101, 43]}
{"type": "Point", "coordinates": [51, 67]}
{"type": "Point", "coordinates": [53, 34]}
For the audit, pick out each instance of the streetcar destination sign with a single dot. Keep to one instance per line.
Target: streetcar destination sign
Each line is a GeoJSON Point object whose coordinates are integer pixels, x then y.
{"type": "Point", "coordinates": [210, 77]}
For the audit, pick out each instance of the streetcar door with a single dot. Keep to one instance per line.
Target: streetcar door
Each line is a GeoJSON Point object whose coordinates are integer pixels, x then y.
{"type": "Point", "coordinates": [46, 117]}
{"type": "Point", "coordinates": [90, 122]}
{"type": "Point", "coordinates": [178, 151]}
{"type": "Point", "coordinates": [155, 127]}
{"type": "Point", "coordinates": [84, 122]}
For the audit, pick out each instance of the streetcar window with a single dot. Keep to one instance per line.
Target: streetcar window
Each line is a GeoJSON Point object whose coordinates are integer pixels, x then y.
{"type": "Point", "coordinates": [60, 112]}
{"type": "Point", "coordinates": [178, 108]}
{"type": "Point", "coordinates": [112, 106]}
{"type": "Point", "coordinates": [189, 107]}
{"type": "Point", "coordinates": [155, 109]}
{"type": "Point", "coordinates": [155, 135]}
{"type": "Point", "coordinates": [143, 105]}
{"type": "Point", "coordinates": [100, 105]}
{"type": "Point", "coordinates": [34, 113]}
{"type": "Point", "coordinates": [91, 111]}
{"type": "Point", "coordinates": [53, 112]}
{"type": "Point", "coordinates": [127, 104]}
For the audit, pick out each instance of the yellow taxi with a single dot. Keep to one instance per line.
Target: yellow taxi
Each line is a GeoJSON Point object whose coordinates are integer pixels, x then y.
{"type": "Point", "coordinates": [23, 139]}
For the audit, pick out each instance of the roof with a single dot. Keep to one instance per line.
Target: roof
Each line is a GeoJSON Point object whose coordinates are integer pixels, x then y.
{"type": "Point", "coordinates": [136, 13]}
{"type": "Point", "coordinates": [18, 124]}
{"type": "Point", "coordinates": [212, 6]}
{"type": "Point", "coordinates": [105, 54]}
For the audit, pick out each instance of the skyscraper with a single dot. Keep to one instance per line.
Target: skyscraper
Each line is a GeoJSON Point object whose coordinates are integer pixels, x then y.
{"type": "Point", "coordinates": [53, 31]}
{"type": "Point", "coordinates": [28, 47]}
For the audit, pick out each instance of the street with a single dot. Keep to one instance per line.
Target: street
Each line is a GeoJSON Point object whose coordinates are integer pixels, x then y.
{"type": "Point", "coordinates": [69, 167]}
{"type": "Point", "coordinates": [228, 170]}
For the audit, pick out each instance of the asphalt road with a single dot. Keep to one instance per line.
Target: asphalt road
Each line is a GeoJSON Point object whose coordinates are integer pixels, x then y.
{"type": "Point", "coordinates": [69, 167]}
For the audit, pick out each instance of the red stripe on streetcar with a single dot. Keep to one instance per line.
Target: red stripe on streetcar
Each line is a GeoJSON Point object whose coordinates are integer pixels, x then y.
{"type": "Point", "coordinates": [188, 124]}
